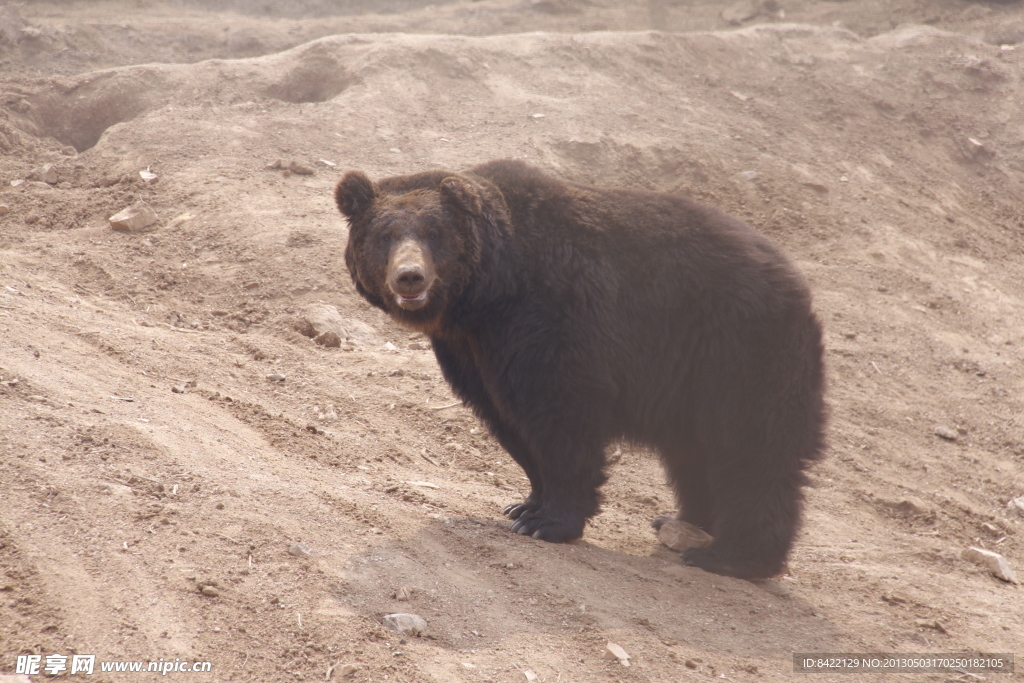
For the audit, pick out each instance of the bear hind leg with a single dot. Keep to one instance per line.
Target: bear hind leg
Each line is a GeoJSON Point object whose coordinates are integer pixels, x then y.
{"type": "Point", "coordinates": [754, 529]}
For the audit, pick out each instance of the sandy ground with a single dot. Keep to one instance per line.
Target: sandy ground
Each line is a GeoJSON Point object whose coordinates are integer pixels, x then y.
{"type": "Point", "coordinates": [160, 497]}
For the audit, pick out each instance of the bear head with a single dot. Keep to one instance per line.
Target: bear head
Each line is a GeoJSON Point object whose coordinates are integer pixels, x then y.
{"type": "Point", "coordinates": [413, 243]}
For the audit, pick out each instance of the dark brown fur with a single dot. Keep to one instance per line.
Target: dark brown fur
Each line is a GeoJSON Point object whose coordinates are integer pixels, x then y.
{"type": "Point", "coordinates": [569, 316]}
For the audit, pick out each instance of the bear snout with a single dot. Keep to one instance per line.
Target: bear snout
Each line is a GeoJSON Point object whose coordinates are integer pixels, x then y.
{"type": "Point", "coordinates": [410, 275]}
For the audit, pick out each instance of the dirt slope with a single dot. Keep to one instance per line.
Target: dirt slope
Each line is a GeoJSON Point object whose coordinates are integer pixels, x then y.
{"type": "Point", "coordinates": [879, 143]}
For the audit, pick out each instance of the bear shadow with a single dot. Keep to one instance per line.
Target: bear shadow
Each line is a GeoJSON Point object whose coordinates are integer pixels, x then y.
{"type": "Point", "coordinates": [477, 584]}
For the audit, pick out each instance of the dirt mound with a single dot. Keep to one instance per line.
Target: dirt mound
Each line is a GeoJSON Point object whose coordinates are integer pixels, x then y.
{"type": "Point", "coordinates": [190, 476]}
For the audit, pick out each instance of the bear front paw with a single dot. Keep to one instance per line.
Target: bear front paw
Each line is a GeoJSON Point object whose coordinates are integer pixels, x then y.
{"type": "Point", "coordinates": [550, 528]}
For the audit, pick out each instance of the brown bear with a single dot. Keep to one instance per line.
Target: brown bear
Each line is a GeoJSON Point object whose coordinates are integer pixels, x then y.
{"type": "Point", "coordinates": [569, 316]}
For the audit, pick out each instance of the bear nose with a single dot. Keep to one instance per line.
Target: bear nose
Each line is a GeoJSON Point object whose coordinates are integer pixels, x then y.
{"type": "Point", "coordinates": [410, 278]}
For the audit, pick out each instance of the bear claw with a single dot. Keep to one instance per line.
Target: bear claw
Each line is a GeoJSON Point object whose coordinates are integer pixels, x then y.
{"type": "Point", "coordinates": [516, 510]}
{"type": "Point", "coordinates": [545, 528]}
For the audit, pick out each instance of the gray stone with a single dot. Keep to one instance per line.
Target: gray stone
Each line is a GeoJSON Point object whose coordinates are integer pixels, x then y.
{"type": "Point", "coordinates": [680, 535]}
{"type": "Point", "coordinates": [994, 562]}
{"type": "Point", "coordinates": [300, 550]}
{"type": "Point", "coordinates": [323, 324]}
{"type": "Point", "coordinates": [614, 651]}
{"type": "Point", "coordinates": [135, 218]}
{"type": "Point", "coordinates": [406, 624]}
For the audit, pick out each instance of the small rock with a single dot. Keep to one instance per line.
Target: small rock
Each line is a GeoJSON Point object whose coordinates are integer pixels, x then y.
{"type": "Point", "coordinates": [741, 11]}
{"type": "Point", "coordinates": [406, 624]}
{"type": "Point", "coordinates": [317, 320]}
{"type": "Point", "coordinates": [530, 676]}
{"type": "Point", "coordinates": [934, 624]}
{"type": "Point", "coordinates": [977, 149]}
{"type": "Point", "coordinates": [276, 165]}
{"type": "Point", "coordinates": [947, 433]}
{"type": "Point", "coordinates": [300, 550]}
{"type": "Point", "coordinates": [339, 670]}
{"type": "Point", "coordinates": [138, 216]}
{"type": "Point", "coordinates": [403, 594]}
{"type": "Point", "coordinates": [419, 346]}
{"type": "Point", "coordinates": [212, 591]}
{"type": "Point", "coordinates": [300, 169]}
{"type": "Point", "coordinates": [47, 174]}
{"type": "Point", "coordinates": [329, 414]}
{"type": "Point", "coordinates": [330, 339]}
{"type": "Point", "coordinates": [680, 535]}
{"type": "Point", "coordinates": [994, 562]}
{"type": "Point", "coordinates": [390, 347]}
{"type": "Point", "coordinates": [692, 663]}
{"type": "Point", "coordinates": [276, 377]}
{"type": "Point", "coordinates": [147, 175]}
{"type": "Point", "coordinates": [4, 209]}
{"type": "Point", "coordinates": [1017, 504]}
{"type": "Point", "coordinates": [178, 388]}
{"type": "Point", "coordinates": [613, 651]}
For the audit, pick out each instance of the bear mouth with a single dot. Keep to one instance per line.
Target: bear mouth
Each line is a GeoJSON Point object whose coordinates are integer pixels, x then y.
{"type": "Point", "coordinates": [411, 303]}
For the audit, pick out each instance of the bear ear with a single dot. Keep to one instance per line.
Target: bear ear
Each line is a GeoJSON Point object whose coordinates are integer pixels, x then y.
{"type": "Point", "coordinates": [462, 194]}
{"type": "Point", "coordinates": [354, 193]}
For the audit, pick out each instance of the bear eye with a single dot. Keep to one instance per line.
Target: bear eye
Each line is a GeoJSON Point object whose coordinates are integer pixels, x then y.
{"type": "Point", "coordinates": [386, 237]}
{"type": "Point", "coordinates": [432, 234]}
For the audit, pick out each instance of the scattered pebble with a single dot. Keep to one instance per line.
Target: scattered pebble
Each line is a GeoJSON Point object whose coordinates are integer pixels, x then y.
{"type": "Point", "coordinates": [339, 670]}
{"type": "Point", "coordinates": [947, 433]}
{"type": "Point", "coordinates": [300, 550]}
{"type": "Point", "coordinates": [934, 624]}
{"type": "Point", "coordinates": [403, 594]}
{"type": "Point", "coordinates": [47, 174]}
{"type": "Point", "coordinates": [680, 535]}
{"type": "Point", "coordinates": [406, 624]}
{"type": "Point", "coordinates": [692, 663]}
{"type": "Point", "coordinates": [330, 339]}
{"type": "Point", "coordinates": [994, 562]}
{"type": "Point", "coordinates": [1017, 504]}
{"type": "Point", "coordinates": [276, 377]}
{"type": "Point", "coordinates": [739, 12]}
{"type": "Point", "coordinates": [324, 325]}
{"type": "Point", "coordinates": [419, 346]}
{"type": "Point", "coordinates": [178, 388]}
{"type": "Point", "coordinates": [530, 676]}
{"type": "Point", "coordinates": [613, 651]}
{"type": "Point", "coordinates": [212, 591]}
{"type": "Point", "coordinates": [147, 175]}
{"type": "Point", "coordinates": [4, 209]}
{"type": "Point", "coordinates": [300, 169]}
{"type": "Point", "coordinates": [138, 216]}
{"type": "Point", "coordinates": [390, 347]}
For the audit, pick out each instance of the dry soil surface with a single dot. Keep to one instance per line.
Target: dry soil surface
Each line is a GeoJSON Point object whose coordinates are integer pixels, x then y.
{"type": "Point", "coordinates": [160, 497]}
